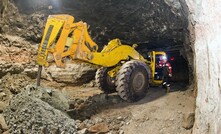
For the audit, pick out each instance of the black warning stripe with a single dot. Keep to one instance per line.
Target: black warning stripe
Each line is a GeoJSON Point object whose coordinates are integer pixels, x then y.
{"type": "Point", "coordinates": [48, 34]}
{"type": "Point", "coordinates": [88, 46]}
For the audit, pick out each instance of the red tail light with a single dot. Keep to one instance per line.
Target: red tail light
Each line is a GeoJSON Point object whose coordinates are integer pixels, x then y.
{"type": "Point", "coordinates": [172, 58]}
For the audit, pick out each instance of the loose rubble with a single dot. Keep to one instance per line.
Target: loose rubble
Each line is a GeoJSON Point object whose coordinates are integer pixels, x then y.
{"type": "Point", "coordinates": [36, 110]}
{"type": "Point", "coordinates": [43, 109]}
{"type": "Point", "coordinates": [15, 82]}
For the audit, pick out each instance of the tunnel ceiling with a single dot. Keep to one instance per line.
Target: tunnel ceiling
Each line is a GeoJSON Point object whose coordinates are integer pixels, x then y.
{"type": "Point", "coordinates": [151, 23]}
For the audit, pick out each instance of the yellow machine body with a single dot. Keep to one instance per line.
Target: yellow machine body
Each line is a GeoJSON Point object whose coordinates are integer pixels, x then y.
{"type": "Point", "coordinates": [75, 42]}
{"type": "Point", "coordinates": [64, 38]}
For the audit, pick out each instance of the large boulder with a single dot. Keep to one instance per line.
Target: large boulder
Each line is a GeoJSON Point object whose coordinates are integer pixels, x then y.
{"type": "Point", "coordinates": [73, 73]}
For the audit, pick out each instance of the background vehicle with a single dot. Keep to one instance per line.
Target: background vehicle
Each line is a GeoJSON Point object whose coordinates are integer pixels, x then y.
{"type": "Point", "coordinates": [121, 68]}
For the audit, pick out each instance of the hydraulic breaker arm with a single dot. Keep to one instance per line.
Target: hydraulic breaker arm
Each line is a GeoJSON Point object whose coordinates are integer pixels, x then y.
{"type": "Point", "coordinates": [64, 38]}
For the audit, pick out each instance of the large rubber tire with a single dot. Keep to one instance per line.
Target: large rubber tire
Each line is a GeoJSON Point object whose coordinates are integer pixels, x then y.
{"type": "Point", "coordinates": [132, 81]}
{"type": "Point", "coordinates": [104, 81]}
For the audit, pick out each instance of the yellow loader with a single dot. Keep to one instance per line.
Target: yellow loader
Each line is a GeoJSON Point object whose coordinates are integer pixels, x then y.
{"type": "Point", "coordinates": [120, 67]}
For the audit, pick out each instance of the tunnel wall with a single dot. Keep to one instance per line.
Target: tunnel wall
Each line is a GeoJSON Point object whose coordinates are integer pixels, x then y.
{"type": "Point", "coordinates": [132, 22]}
{"type": "Point", "coordinates": [207, 22]}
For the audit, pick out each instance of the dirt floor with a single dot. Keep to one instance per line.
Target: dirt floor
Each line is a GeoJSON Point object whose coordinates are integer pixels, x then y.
{"type": "Point", "coordinates": [94, 112]}
{"type": "Point", "coordinates": [85, 109]}
{"type": "Point", "coordinates": [157, 113]}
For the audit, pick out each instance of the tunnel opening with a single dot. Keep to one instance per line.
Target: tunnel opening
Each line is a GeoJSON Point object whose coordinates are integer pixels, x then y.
{"type": "Point", "coordinates": [180, 67]}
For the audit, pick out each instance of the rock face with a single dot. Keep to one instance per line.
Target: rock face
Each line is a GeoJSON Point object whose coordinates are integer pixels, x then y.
{"type": "Point", "coordinates": [207, 46]}
{"type": "Point", "coordinates": [16, 55]}
{"type": "Point", "coordinates": [14, 23]}
{"type": "Point", "coordinates": [143, 22]}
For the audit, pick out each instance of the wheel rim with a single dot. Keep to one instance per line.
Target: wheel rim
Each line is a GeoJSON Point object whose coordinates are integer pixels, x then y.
{"type": "Point", "coordinates": [138, 82]}
{"type": "Point", "coordinates": [110, 81]}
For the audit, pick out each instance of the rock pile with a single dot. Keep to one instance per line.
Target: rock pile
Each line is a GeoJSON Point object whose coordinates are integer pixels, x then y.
{"type": "Point", "coordinates": [37, 110]}
{"type": "Point", "coordinates": [10, 85]}
{"type": "Point", "coordinates": [14, 83]}
{"type": "Point", "coordinates": [46, 110]}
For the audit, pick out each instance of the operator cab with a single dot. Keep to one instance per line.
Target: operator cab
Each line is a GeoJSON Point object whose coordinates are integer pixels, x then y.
{"type": "Point", "coordinates": [158, 75]}
{"type": "Point", "coordinates": [154, 58]}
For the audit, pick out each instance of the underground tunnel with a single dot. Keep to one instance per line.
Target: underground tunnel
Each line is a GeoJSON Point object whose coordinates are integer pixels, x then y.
{"type": "Point", "coordinates": [153, 25]}
{"type": "Point", "coordinates": [186, 30]}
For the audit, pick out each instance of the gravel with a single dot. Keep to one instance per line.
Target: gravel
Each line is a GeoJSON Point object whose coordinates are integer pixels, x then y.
{"type": "Point", "coordinates": [34, 110]}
